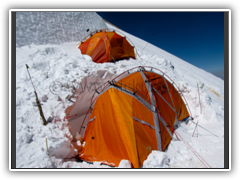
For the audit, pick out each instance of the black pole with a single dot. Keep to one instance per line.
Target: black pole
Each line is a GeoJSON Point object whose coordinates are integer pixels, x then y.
{"type": "Point", "coordinates": [37, 100]}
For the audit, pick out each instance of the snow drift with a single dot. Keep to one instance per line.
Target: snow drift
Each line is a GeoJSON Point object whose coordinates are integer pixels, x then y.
{"type": "Point", "coordinates": [57, 67]}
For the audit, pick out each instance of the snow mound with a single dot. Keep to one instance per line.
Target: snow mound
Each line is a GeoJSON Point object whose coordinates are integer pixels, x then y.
{"type": "Point", "coordinates": [55, 27]}
{"type": "Point", "coordinates": [156, 159]}
{"type": "Point", "coordinates": [125, 164]}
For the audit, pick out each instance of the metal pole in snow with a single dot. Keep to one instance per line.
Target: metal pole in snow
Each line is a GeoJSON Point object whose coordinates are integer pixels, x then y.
{"type": "Point", "coordinates": [195, 128]}
{"type": "Point", "coordinates": [199, 100]}
{"type": "Point", "coordinates": [146, 44]}
{"type": "Point", "coordinates": [47, 146]}
{"type": "Point", "coordinates": [30, 77]}
{"type": "Point", "coordinates": [37, 101]}
{"type": "Point", "coordinates": [200, 109]}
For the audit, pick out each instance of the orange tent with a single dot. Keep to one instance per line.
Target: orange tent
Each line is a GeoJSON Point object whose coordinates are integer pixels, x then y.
{"type": "Point", "coordinates": [131, 116]}
{"type": "Point", "coordinates": [106, 46]}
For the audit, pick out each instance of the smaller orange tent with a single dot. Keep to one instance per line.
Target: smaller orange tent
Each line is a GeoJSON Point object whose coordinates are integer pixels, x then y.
{"type": "Point", "coordinates": [106, 46]}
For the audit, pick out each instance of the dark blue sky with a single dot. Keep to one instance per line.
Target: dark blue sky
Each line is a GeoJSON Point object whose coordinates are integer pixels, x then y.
{"type": "Point", "coordinates": [196, 37]}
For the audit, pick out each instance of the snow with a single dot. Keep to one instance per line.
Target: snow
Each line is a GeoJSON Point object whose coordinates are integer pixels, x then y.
{"type": "Point", "coordinates": [125, 164]}
{"type": "Point", "coordinates": [156, 159]}
{"type": "Point", "coordinates": [56, 68]}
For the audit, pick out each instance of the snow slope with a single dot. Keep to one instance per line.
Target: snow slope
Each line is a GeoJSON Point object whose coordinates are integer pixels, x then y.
{"type": "Point", "coordinates": [57, 68]}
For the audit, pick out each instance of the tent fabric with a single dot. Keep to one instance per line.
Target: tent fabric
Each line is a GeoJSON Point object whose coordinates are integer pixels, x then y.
{"type": "Point", "coordinates": [132, 115]}
{"type": "Point", "coordinates": [118, 136]}
{"type": "Point", "coordinates": [106, 46]}
{"type": "Point", "coordinates": [85, 94]}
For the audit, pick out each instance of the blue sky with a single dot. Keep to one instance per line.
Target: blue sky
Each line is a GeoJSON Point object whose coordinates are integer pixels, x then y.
{"type": "Point", "coordinates": [196, 37]}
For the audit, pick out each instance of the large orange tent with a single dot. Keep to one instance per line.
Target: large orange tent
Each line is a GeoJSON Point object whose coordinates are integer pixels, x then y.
{"type": "Point", "coordinates": [132, 115]}
{"type": "Point", "coordinates": [106, 46]}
